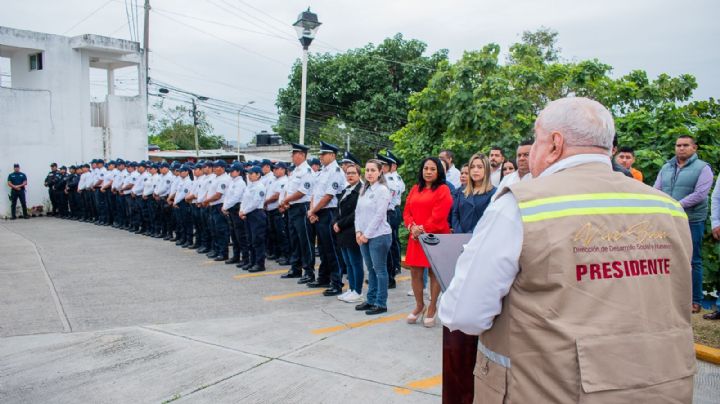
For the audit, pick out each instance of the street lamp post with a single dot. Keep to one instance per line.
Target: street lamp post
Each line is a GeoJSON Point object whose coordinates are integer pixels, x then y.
{"type": "Point", "coordinates": [238, 135]}
{"type": "Point", "coordinates": [306, 27]}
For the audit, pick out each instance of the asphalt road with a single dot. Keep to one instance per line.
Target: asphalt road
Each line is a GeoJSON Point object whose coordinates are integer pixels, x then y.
{"type": "Point", "coordinates": [95, 314]}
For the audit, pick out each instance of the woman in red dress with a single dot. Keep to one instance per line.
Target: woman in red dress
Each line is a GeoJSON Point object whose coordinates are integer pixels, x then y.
{"type": "Point", "coordinates": [426, 211]}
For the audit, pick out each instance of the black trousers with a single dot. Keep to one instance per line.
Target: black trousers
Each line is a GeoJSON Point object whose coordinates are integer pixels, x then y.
{"type": "Point", "coordinates": [14, 196]}
{"type": "Point", "coordinates": [75, 203]}
{"type": "Point", "coordinates": [221, 230]}
{"type": "Point", "coordinates": [330, 266]}
{"type": "Point", "coordinates": [256, 225]}
{"type": "Point", "coordinates": [278, 228]}
{"type": "Point", "coordinates": [238, 234]}
{"type": "Point", "coordinates": [303, 258]}
{"type": "Point", "coordinates": [393, 259]}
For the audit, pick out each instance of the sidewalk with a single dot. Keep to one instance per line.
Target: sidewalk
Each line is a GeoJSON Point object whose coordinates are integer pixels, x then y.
{"type": "Point", "coordinates": [96, 314]}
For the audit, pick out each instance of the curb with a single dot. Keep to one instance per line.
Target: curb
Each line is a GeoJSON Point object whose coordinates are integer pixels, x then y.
{"type": "Point", "coordinates": [707, 354]}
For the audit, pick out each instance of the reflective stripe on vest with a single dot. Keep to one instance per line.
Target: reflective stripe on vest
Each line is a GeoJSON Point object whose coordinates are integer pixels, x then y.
{"type": "Point", "coordinates": [501, 360]}
{"type": "Point", "coordinates": [598, 204]}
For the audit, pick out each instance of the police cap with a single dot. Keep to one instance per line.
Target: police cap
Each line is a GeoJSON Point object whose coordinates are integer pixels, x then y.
{"type": "Point", "coordinates": [328, 148]}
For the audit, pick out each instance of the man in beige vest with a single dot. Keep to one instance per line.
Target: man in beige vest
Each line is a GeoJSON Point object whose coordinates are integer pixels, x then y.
{"type": "Point", "coordinates": [577, 281]}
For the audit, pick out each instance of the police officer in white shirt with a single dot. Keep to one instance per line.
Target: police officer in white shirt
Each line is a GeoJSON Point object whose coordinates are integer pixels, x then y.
{"type": "Point", "coordinates": [296, 203]}
{"type": "Point", "coordinates": [231, 209]}
{"type": "Point", "coordinates": [251, 211]}
{"type": "Point", "coordinates": [217, 188]}
{"type": "Point", "coordinates": [205, 218]}
{"type": "Point", "coordinates": [397, 187]}
{"type": "Point", "coordinates": [119, 212]}
{"type": "Point", "coordinates": [143, 179]}
{"type": "Point", "coordinates": [192, 199]}
{"type": "Point", "coordinates": [106, 192]}
{"type": "Point", "coordinates": [127, 195]}
{"type": "Point", "coordinates": [321, 215]}
{"type": "Point", "coordinates": [277, 220]}
{"type": "Point", "coordinates": [162, 191]}
{"type": "Point", "coordinates": [100, 200]}
{"type": "Point", "coordinates": [181, 208]}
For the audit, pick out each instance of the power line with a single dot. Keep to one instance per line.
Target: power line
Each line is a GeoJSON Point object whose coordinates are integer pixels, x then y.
{"type": "Point", "coordinates": [87, 16]}
{"type": "Point", "coordinates": [224, 40]}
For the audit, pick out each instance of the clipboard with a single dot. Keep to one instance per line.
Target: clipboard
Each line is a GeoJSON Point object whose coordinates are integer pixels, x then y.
{"type": "Point", "coordinates": [443, 251]}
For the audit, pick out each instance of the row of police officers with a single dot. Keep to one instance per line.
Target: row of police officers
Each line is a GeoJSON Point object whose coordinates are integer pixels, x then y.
{"type": "Point", "coordinates": [263, 209]}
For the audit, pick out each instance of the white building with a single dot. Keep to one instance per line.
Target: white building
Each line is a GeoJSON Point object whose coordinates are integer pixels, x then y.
{"type": "Point", "coordinates": [46, 110]}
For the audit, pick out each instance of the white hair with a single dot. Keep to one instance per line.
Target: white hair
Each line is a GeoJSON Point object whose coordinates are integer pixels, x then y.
{"type": "Point", "coordinates": [581, 121]}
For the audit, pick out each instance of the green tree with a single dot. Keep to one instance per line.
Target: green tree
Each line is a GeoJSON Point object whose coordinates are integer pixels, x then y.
{"type": "Point", "coordinates": [364, 90]}
{"type": "Point", "coordinates": [174, 130]}
{"type": "Point", "coordinates": [477, 102]}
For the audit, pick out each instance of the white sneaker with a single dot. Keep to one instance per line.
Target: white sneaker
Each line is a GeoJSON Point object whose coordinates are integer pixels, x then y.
{"type": "Point", "coordinates": [355, 298]}
{"type": "Point", "coordinates": [348, 295]}
{"type": "Point", "coordinates": [344, 295]}
{"type": "Point", "coordinates": [410, 293]}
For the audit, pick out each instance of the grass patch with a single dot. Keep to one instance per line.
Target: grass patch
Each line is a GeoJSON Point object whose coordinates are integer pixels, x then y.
{"type": "Point", "coordinates": [707, 332]}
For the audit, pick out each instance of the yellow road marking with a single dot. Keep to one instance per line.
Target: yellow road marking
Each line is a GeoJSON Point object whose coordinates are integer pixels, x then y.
{"type": "Point", "coordinates": [273, 298]}
{"type": "Point", "coordinates": [313, 292]}
{"type": "Point", "coordinates": [265, 273]}
{"type": "Point", "coordinates": [421, 384]}
{"type": "Point", "coordinates": [359, 324]}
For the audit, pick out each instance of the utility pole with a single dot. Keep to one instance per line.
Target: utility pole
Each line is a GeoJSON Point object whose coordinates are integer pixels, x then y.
{"type": "Point", "coordinates": [146, 49]}
{"type": "Point", "coordinates": [195, 123]}
{"type": "Point", "coordinates": [348, 142]}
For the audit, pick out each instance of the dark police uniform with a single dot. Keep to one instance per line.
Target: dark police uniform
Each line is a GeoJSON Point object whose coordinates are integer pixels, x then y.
{"type": "Point", "coordinates": [71, 188]}
{"type": "Point", "coordinates": [50, 180]}
{"type": "Point", "coordinates": [17, 178]}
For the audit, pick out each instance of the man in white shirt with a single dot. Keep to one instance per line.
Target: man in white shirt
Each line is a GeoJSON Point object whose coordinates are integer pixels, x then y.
{"type": "Point", "coordinates": [231, 209]}
{"type": "Point", "coordinates": [296, 204]}
{"type": "Point", "coordinates": [205, 217]}
{"type": "Point", "coordinates": [397, 189]}
{"type": "Point", "coordinates": [106, 192]}
{"type": "Point", "coordinates": [119, 212]}
{"type": "Point", "coordinates": [162, 192]}
{"type": "Point", "coordinates": [329, 182]}
{"type": "Point", "coordinates": [523, 171]}
{"type": "Point", "coordinates": [181, 208]}
{"type": "Point", "coordinates": [453, 174]}
{"type": "Point", "coordinates": [277, 220]}
{"type": "Point", "coordinates": [215, 198]}
{"type": "Point", "coordinates": [142, 180]}
{"type": "Point", "coordinates": [497, 158]}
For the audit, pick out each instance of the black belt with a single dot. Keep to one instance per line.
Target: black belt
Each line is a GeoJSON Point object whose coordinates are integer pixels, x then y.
{"type": "Point", "coordinates": [304, 204]}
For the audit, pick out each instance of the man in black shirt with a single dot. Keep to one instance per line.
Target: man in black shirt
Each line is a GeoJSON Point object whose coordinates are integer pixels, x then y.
{"type": "Point", "coordinates": [17, 182]}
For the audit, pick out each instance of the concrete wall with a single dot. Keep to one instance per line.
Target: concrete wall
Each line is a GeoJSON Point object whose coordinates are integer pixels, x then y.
{"type": "Point", "coordinates": [46, 116]}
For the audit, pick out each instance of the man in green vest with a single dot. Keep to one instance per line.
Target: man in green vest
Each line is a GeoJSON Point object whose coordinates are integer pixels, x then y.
{"type": "Point", "coordinates": [688, 179]}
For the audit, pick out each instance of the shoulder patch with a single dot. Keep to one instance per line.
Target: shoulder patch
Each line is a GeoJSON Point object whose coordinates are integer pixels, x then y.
{"type": "Point", "coordinates": [186, 190]}
{"type": "Point", "coordinates": [337, 169]}
{"type": "Point", "coordinates": [390, 178]}
{"type": "Point", "coordinates": [262, 193]}
{"type": "Point", "coordinates": [222, 186]}
{"type": "Point", "coordinates": [307, 185]}
{"type": "Point", "coordinates": [308, 170]}
{"type": "Point", "coordinates": [282, 186]}
{"type": "Point", "coordinates": [335, 185]}
{"type": "Point", "coordinates": [168, 181]}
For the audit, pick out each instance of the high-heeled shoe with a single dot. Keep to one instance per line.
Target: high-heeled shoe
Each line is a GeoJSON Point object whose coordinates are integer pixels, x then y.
{"type": "Point", "coordinates": [413, 318]}
{"type": "Point", "coordinates": [429, 322]}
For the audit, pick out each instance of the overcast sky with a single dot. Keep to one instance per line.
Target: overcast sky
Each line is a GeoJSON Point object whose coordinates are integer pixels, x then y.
{"type": "Point", "coordinates": [242, 50]}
